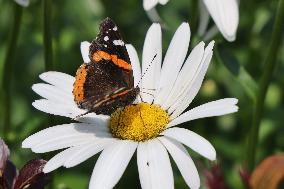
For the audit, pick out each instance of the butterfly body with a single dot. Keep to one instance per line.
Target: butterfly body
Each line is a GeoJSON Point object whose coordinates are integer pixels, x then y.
{"type": "Point", "coordinates": [106, 82]}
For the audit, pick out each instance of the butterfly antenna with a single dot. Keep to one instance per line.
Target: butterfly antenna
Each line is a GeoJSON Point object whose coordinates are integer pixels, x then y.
{"type": "Point", "coordinates": [148, 93]}
{"type": "Point", "coordinates": [147, 69]}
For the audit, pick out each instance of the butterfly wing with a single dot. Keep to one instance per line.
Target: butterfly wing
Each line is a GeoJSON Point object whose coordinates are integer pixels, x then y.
{"type": "Point", "coordinates": [110, 41]}
{"type": "Point", "coordinates": [108, 75]}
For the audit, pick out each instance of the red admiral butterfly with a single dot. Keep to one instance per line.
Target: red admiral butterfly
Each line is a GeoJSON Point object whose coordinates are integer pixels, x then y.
{"type": "Point", "coordinates": [106, 82]}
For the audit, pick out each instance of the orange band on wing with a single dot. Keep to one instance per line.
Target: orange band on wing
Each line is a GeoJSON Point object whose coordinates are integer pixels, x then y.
{"type": "Point", "coordinates": [78, 86]}
{"type": "Point", "coordinates": [99, 55]}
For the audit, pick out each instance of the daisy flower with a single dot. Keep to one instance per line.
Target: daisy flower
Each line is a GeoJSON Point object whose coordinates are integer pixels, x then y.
{"type": "Point", "coordinates": [23, 3]}
{"type": "Point", "coordinates": [225, 14]}
{"type": "Point", "coordinates": [148, 127]}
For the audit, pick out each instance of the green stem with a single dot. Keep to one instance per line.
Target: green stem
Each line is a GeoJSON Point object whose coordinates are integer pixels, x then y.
{"type": "Point", "coordinates": [193, 20]}
{"type": "Point", "coordinates": [47, 36]}
{"type": "Point", "coordinates": [269, 65]}
{"type": "Point", "coordinates": [8, 67]}
{"type": "Point", "coordinates": [48, 57]}
{"type": "Point", "coordinates": [47, 40]}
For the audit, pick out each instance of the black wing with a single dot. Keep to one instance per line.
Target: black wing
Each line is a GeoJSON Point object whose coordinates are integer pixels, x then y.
{"type": "Point", "coordinates": [109, 40]}
{"type": "Point", "coordinates": [108, 74]}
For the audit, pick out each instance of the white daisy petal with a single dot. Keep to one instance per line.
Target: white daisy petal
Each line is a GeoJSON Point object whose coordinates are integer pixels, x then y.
{"type": "Point", "coordinates": [154, 165]}
{"type": "Point", "coordinates": [58, 160]}
{"type": "Point", "coordinates": [191, 92]}
{"type": "Point", "coordinates": [215, 108]}
{"type": "Point", "coordinates": [134, 63]}
{"type": "Point", "coordinates": [225, 14]}
{"type": "Point", "coordinates": [23, 3]}
{"type": "Point", "coordinates": [85, 45]}
{"type": "Point", "coordinates": [173, 61]}
{"type": "Point", "coordinates": [186, 76]}
{"type": "Point", "coordinates": [94, 119]}
{"type": "Point", "coordinates": [64, 135]}
{"type": "Point", "coordinates": [145, 177]}
{"type": "Point", "coordinates": [59, 143]}
{"type": "Point", "coordinates": [151, 62]}
{"type": "Point", "coordinates": [111, 164]}
{"type": "Point", "coordinates": [53, 93]}
{"type": "Point", "coordinates": [55, 108]}
{"type": "Point", "coordinates": [149, 4]}
{"type": "Point", "coordinates": [58, 79]}
{"type": "Point", "coordinates": [183, 161]}
{"type": "Point", "coordinates": [204, 19]}
{"type": "Point", "coordinates": [85, 152]}
{"type": "Point", "coordinates": [68, 110]}
{"type": "Point", "coordinates": [193, 141]}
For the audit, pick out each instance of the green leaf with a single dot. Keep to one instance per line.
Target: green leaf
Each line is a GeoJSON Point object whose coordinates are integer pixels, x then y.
{"type": "Point", "coordinates": [238, 71]}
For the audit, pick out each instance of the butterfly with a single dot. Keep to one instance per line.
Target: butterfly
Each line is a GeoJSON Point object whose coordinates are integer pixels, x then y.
{"type": "Point", "coordinates": [106, 82]}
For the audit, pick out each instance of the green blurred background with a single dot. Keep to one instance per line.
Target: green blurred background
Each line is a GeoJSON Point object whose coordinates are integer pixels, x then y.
{"type": "Point", "coordinates": [74, 21]}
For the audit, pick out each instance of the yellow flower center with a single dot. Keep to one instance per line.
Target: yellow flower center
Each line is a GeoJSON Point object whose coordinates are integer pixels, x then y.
{"type": "Point", "coordinates": [138, 122]}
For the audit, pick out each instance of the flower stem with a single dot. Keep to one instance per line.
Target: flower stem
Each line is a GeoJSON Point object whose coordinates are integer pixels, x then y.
{"type": "Point", "coordinates": [47, 40]}
{"type": "Point", "coordinates": [269, 65]}
{"type": "Point", "coordinates": [48, 57]}
{"type": "Point", "coordinates": [47, 36]}
{"type": "Point", "coordinates": [8, 67]}
{"type": "Point", "coordinates": [193, 20]}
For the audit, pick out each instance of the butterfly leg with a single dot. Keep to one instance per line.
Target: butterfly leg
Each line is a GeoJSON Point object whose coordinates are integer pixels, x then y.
{"type": "Point", "coordinates": [119, 117]}
{"type": "Point", "coordinates": [140, 97]}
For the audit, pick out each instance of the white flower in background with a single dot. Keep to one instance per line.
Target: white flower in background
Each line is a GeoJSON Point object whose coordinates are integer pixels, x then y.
{"type": "Point", "coordinates": [225, 14]}
{"type": "Point", "coordinates": [149, 4]}
{"type": "Point", "coordinates": [148, 127]}
{"type": "Point", "coordinates": [23, 3]}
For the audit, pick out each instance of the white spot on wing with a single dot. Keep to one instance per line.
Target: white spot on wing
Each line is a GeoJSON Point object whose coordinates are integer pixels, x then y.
{"type": "Point", "coordinates": [118, 42]}
{"type": "Point", "coordinates": [106, 38]}
{"type": "Point", "coordinates": [114, 29]}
